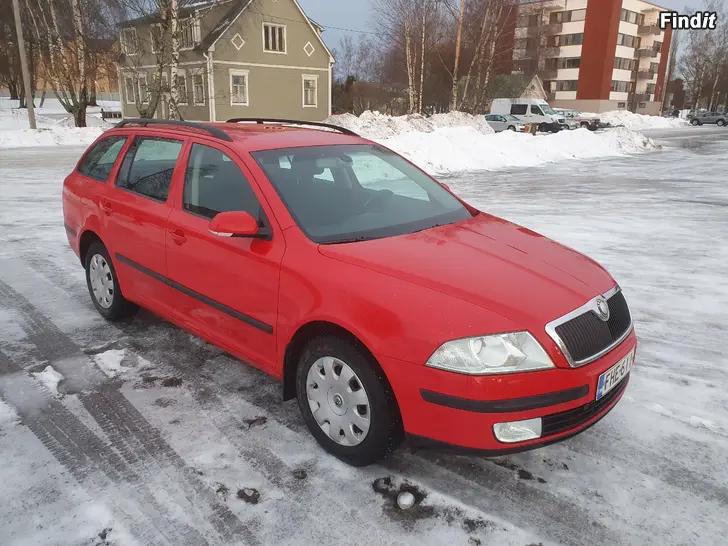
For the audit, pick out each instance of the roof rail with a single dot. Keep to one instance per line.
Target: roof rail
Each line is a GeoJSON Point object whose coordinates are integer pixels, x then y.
{"type": "Point", "coordinates": [143, 122]}
{"type": "Point", "coordinates": [343, 130]}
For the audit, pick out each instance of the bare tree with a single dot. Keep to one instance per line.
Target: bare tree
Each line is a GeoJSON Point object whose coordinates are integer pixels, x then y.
{"type": "Point", "coordinates": [458, 42]}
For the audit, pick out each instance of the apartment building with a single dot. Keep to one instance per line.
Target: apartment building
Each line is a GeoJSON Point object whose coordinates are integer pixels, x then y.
{"type": "Point", "coordinates": [594, 55]}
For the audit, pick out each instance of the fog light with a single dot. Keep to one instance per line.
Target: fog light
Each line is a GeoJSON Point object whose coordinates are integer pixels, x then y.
{"type": "Point", "coordinates": [518, 431]}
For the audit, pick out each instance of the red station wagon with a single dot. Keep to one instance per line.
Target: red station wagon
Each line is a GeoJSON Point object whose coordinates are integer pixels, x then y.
{"type": "Point", "coordinates": [386, 305]}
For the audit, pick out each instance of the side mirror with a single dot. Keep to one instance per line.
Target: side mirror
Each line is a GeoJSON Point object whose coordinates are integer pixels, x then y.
{"type": "Point", "coordinates": [236, 223]}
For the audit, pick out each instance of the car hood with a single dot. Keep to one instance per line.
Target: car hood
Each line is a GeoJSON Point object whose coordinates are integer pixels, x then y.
{"type": "Point", "coordinates": [498, 265]}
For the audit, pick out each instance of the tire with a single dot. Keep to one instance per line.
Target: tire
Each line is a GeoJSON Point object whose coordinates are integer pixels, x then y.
{"type": "Point", "coordinates": [585, 125]}
{"type": "Point", "coordinates": [721, 123]}
{"type": "Point", "coordinates": [695, 123]}
{"type": "Point", "coordinates": [511, 128]}
{"type": "Point", "coordinates": [321, 360]}
{"type": "Point", "coordinates": [555, 128]}
{"type": "Point", "coordinates": [103, 285]}
{"type": "Point", "coordinates": [542, 128]}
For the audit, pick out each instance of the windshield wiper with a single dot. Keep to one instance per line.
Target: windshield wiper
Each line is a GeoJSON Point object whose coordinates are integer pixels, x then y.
{"type": "Point", "coordinates": [350, 240]}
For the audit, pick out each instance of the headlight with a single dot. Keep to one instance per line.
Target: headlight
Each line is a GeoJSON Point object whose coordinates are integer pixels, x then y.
{"type": "Point", "coordinates": [496, 354]}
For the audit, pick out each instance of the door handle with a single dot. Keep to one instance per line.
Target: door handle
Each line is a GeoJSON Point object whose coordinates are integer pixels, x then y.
{"type": "Point", "coordinates": [178, 236]}
{"type": "Point", "coordinates": [106, 207]}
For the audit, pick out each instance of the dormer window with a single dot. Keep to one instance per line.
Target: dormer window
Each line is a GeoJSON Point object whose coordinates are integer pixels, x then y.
{"type": "Point", "coordinates": [274, 38]}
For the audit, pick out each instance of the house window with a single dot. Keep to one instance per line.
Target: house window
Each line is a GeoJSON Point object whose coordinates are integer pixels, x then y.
{"type": "Point", "coordinates": [566, 85]}
{"type": "Point", "coordinates": [528, 21]}
{"type": "Point", "coordinates": [622, 87]}
{"type": "Point", "coordinates": [622, 63]}
{"type": "Point", "coordinates": [189, 33]}
{"type": "Point", "coordinates": [274, 38]}
{"type": "Point", "coordinates": [155, 35]}
{"type": "Point", "coordinates": [627, 40]}
{"type": "Point", "coordinates": [621, 105]}
{"type": "Point", "coordinates": [181, 87]}
{"type": "Point", "coordinates": [566, 39]}
{"type": "Point", "coordinates": [143, 89]}
{"type": "Point", "coordinates": [568, 16]}
{"type": "Point", "coordinates": [129, 90]}
{"type": "Point", "coordinates": [310, 83]}
{"type": "Point", "coordinates": [651, 87]}
{"type": "Point", "coordinates": [129, 44]}
{"type": "Point", "coordinates": [198, 89]}
{"type": "Point", "coordinates": [630, 17]}
{"type": "Point", "coordinates": [563, 62]}
{"type": "Point", "coordinates": [239, 87]}
{"type": "Point", "coordinates": [654, 67]}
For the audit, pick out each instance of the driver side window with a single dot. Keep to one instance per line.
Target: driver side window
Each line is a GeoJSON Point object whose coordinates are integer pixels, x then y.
{"type": "Point", "coordinates": [214, 183]}
{"type": "Point", "coordinates": [536, 110]}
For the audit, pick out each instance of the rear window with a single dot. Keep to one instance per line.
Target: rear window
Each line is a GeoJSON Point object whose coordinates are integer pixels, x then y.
{"type": "Point", "coordinates": [99, 160]}
{"type": "Point", "coordinates": [148, 166]}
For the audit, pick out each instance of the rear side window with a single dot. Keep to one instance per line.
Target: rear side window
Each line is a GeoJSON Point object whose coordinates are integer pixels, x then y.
{"type": "Point", "coordinates": [214, 184]}
{"type": "Point", "coordinates": [148, 166]}
{"type": "Point", "coordinates": [99, 161]}
{"type": "Point", "coordinates": [518, 109]}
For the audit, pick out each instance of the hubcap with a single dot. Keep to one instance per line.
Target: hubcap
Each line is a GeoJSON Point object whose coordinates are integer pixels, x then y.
{"type": "Point", "coordinates": [338, 401]}
{"type": "Point", "coordinates": [102, 281]}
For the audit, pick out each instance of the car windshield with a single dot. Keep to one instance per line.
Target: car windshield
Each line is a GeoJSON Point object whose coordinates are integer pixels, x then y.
{"type": "Point", "coordinates": [547, 109]}
{"type": "Point", "coordinates": [350, 193]}
{"type": "Point", "coordinates": [510, 117]}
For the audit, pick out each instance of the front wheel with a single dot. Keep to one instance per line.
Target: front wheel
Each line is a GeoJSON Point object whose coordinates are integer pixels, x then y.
{"type": "Point", "coordinates": [346, 401]}
{"type": "Point", "coordinates": [103, 285]}
{"type": "Point", "coordinates": [542, 127]}
{"type": "Point", "coordinates": [721, 123]}
{"type": "Point", "coordinates": [511, 128]}
{"type": "Point", "coordinates": [695, 123]}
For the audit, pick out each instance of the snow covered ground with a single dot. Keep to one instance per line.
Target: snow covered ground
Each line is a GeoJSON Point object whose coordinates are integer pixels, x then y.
{"type": "Point", "coordinates": [641, 122]}
{"type": "Point", "coordinates": [155, 437]}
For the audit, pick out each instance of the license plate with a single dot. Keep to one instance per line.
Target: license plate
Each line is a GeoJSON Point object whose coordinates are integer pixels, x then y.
{"type": "Point", "coordinates": [611, 378]}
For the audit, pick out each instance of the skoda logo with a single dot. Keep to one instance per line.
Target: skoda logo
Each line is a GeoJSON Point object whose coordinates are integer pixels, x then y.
{"type": "Point", "coordinates": [602, 309]}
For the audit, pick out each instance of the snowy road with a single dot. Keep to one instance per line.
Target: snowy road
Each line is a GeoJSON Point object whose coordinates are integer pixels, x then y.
{"type": "Point", "coordinates": [141, 434]}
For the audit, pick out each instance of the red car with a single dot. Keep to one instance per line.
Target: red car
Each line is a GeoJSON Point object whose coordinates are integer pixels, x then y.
{"type": "Point", "coordinates": [383, 302]}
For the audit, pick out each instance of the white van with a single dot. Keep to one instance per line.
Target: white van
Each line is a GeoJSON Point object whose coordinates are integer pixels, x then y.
{"type": "Point", "coordinates": [533, 111]}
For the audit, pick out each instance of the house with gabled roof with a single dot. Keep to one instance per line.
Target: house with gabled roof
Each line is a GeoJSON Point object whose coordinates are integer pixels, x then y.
{"type": "Point", "coordinates": [238, 58]}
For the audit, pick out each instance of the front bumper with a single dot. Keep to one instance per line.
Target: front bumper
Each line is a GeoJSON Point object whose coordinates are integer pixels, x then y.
{"type": "Point", "coordinates": [458, 410]}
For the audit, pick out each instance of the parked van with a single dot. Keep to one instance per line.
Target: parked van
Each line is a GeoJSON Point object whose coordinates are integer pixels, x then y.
{"type": "Point", "coordinates": [533, 111]}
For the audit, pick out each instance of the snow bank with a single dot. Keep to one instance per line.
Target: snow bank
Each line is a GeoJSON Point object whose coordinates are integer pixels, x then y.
{"type": "Point", "coordinates": [379, 126]}
{"type": "Point", "coordinates": [456, 149]}
{"type": "Point", "coordinates": [14, 131]}
{"type": "Point", "coordinates": [50, 379]}
{"type": "Point", "coordinates": [453, 142]}
{"type": "Point", "coordinates": [641, 122]}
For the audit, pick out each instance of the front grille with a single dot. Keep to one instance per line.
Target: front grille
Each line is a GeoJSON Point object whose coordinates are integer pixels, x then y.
{"type": "Point", "coordinates": [566, 420]}
{"type": "Point", "coordinates": [587, 335]}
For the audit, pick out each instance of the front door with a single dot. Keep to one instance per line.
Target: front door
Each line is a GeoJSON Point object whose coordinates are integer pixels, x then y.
{"type": "Point", "coordinates": [227, 287]}
{"type": "Point", "coordinates": [135, 211]}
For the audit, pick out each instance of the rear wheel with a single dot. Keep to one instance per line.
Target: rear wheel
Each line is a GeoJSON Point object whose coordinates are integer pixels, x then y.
{"type": "Point", "coordinates": [695, 122]}
{"type": "Point", "coordinates": [511, 128]}
{"type": "Point", "coordinates": [346, 401]}
{"type": "Point", "coordinates": [103, 285]}
{"type": "Point", "coordinates": [542, 127]}
{"type": "Point", "coordinates": [721, 122]}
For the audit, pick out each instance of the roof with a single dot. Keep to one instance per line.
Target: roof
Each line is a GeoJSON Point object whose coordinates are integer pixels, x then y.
{"type": "Point", "coordinates": [186, 7]}
{"type": "Point", "coordinates": [224, 23]}
{"type": "Point", "coordinates": [256, 137]}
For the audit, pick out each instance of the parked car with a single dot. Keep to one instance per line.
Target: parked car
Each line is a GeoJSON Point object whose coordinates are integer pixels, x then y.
{"type": "Point", "coordinates": [577, 119]}
{"type": "Point", "coordinates": [383, 302]}
{"type": "Point", "coordinates": [709, 117]}
{"type": "Point", "coordinates": [531, 111]}
{"type": "Point", "coordinates": [504, 122]}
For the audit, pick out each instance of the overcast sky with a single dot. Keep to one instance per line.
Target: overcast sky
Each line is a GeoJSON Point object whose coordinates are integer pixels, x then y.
{"type": "Point", "coordinates": [356, 15]}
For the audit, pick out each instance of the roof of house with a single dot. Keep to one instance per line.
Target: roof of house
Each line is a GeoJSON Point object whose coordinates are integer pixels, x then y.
{"type": "Point", "coordinates": [189, 7]}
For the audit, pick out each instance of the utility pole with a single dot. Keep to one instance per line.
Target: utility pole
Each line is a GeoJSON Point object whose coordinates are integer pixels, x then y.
{"type": "Point", "coordinates": [24, 65]}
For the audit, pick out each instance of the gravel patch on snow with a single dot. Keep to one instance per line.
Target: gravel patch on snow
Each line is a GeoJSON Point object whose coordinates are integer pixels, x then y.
{"type": "Point", "coordinates": [641, 122]}
{"type": "Point", "coordinates": [50, 379]}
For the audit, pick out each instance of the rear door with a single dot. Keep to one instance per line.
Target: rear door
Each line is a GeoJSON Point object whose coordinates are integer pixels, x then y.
{"type": "Point", "coordinates": [135, 211]}
{"type": "Point", "coordinates": [226, 287]}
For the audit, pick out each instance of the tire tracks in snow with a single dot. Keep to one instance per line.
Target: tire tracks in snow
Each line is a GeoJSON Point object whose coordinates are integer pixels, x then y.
{"type": "Point", "coordinates": [126, 429]}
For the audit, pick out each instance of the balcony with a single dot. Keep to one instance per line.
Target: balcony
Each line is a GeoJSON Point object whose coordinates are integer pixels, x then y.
{"type": "Point", "coordinates": [550, 51]}
{"type": "Point", "coordinates": [642, 97]}
{"type": "Point", "coordinates": [548, 74]}
{"type": "Point", "coordinates": [645, 74]}
{"type": "Point", "coordinates": [646, 30]}
{"type": "Point", "coordinates": [647, 53]}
